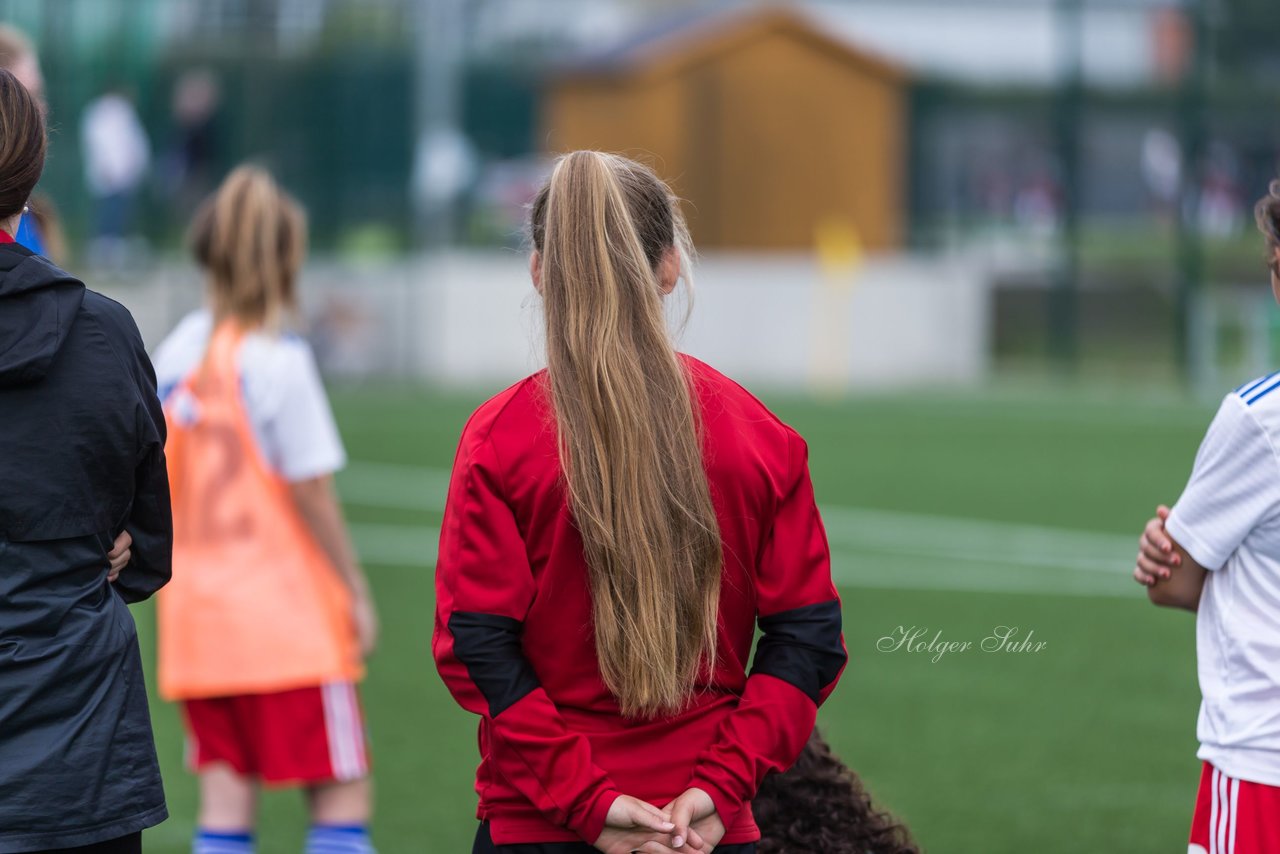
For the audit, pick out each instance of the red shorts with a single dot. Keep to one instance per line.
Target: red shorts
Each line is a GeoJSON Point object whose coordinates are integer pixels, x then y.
{"type": "Point", "coordinates": [307, 735]}
{"type": "Point", "coordinates": [1234, 816]}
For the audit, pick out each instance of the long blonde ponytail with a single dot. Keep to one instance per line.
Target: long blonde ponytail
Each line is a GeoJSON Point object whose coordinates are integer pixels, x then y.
{"type": "Point", "coordinates": [628, 428]}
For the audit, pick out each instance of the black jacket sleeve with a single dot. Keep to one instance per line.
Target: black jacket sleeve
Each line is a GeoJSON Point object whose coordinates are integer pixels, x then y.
{"type": "Point", "coordinates": [150, 521]}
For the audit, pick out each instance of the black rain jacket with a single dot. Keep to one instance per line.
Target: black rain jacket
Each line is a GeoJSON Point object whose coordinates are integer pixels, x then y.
{"type": "Point", "coordinates": [81, 459]}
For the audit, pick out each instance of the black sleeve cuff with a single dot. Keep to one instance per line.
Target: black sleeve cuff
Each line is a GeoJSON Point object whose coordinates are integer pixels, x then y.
{"type": "Point", "coordinates": [803, 647]}
{"type": "Point", "coordinates": [489, 647]}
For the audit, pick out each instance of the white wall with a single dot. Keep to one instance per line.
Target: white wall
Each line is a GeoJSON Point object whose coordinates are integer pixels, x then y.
{"type": "Point", "coordinates": [997, 42]}
{"type": "Point", "coordinates": [774, 320]}
{"type": "Point", "coordinates": [782, 320]}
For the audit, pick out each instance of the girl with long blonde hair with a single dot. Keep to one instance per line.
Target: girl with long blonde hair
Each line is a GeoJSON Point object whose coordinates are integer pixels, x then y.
{"type": "Point", "coordinates": [264, 630]}
{"type": "Point", "coordinates": [617, 527]}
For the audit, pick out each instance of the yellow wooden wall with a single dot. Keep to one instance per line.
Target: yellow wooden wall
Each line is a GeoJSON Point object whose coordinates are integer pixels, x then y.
{"type": "Point", "coordinates": [765, 139]}
{"type": "Point", "coordinates": [643, 119]}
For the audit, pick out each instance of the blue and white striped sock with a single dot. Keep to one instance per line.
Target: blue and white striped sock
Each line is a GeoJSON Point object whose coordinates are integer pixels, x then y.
{"type": "Point", "coordinates": [221, 842]}
{"type": "Point", "coordinates": [339, 839]}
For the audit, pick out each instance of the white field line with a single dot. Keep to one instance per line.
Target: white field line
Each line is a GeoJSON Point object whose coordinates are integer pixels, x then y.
{"type": "Point", "coordinates": [905, 572]}
{"type": "Point", "coordinates": [871, 548]}
{"type": "Point", "coordinates": [393, 486]}
{"type": "Point", "coordinates": [950, 538]}
{"type": "Point", "coordinates": [396, 545]}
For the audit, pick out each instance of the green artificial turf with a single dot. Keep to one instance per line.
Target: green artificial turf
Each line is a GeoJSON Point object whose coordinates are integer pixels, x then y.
{"type": "Point", "coordinates": [1086, 745]}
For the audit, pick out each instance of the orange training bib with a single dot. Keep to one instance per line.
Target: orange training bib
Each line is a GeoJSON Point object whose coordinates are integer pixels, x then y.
{"type": "Point", "coordinates": [255, 606]}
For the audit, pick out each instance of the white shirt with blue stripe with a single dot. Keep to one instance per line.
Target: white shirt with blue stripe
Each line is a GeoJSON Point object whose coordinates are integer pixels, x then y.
{"type": "Point", "coordinates": [1228, 520]}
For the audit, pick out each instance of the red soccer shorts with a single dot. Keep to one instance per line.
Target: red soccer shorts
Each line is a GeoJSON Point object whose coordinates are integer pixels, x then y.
{"type": "Point", "coordinates": [1234, 816]}
{"type": "Point", "coordinates": [307, 735]}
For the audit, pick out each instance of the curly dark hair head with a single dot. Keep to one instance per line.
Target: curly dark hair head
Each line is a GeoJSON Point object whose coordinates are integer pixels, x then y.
{"type": "Point", "coordinates": [820, 807]}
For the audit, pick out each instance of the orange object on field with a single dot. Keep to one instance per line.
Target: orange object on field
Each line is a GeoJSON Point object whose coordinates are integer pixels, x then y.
{"type": "Point", "coordinates": [254, 605]}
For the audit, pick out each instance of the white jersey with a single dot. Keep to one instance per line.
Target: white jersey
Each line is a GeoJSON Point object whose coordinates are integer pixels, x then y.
{"type": "Point", "coordinates": [116, 150]}
{"type": "Point", "coordinates": [283, 395]}
{"type": "Point", "coordinates": [1228, 519]}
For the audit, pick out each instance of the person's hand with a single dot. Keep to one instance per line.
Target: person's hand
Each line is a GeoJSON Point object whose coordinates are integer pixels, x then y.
{"type": "Point", "coordinates": [119, 556]}
{"type": "Point", "coordinates": [635, 825]}
{"type": "Point", "coordinates": [1156, 555]}
{"type": "Point", "coordinates": [698, 825]}
{"type": "Point", "coordinates": [365, 618]}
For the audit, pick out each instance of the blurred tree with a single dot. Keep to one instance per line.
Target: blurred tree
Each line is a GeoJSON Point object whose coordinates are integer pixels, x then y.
{"type": "Point", "coordinates": [360, 25]}
{"type": "Point", "coordinates": [500, 107]}
{"type": "Point", "coordinates": [1248, 36]}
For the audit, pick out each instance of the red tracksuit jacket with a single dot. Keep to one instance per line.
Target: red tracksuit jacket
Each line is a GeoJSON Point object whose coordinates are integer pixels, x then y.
{"type": "Point", "coordinates": [513, 634]}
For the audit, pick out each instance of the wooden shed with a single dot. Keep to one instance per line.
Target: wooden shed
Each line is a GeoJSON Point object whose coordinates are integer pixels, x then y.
{"type": "Point", "coordinates": [769, 127]}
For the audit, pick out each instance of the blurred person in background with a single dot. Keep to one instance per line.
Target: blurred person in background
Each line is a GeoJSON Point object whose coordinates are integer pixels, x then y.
{"type": "Point", "coordinates": [189, 164]}
{"type": "Point", "coordinates": [84, 529]}
{"type": "Point", "coordinates": [40, 230]}
{"type": "Point", "coordinates": [819, 805]}
{"type": "Point", "coordinates": [265, 629]}
{"type": "Point", "coordinates": [117, 157]}
{"type": "Point", "coordinates": [1217, 553]}
{"type": "Point", "coordinates": [616, 527]}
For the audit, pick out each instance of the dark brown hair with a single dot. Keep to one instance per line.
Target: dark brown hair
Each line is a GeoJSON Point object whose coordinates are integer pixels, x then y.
{"type": "Point", "coordinates": [820, 805]}
{"type": "Point", "coordinates": [250, 237]}
{"type": "Point", "coordinates": [629, 434]}
{"type": "Point", "coordinates": [22, 144]}
{"type": "Point", "coordinates": [1267, 214]}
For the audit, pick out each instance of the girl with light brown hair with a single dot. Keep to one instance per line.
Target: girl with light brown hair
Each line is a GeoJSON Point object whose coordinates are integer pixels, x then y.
{"type": "Point", "coordinates": [617, 527]}
{"type": "Point", "coordinates": [264, 632]}
{"type": "Point", "coordinates": [40, 230]}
